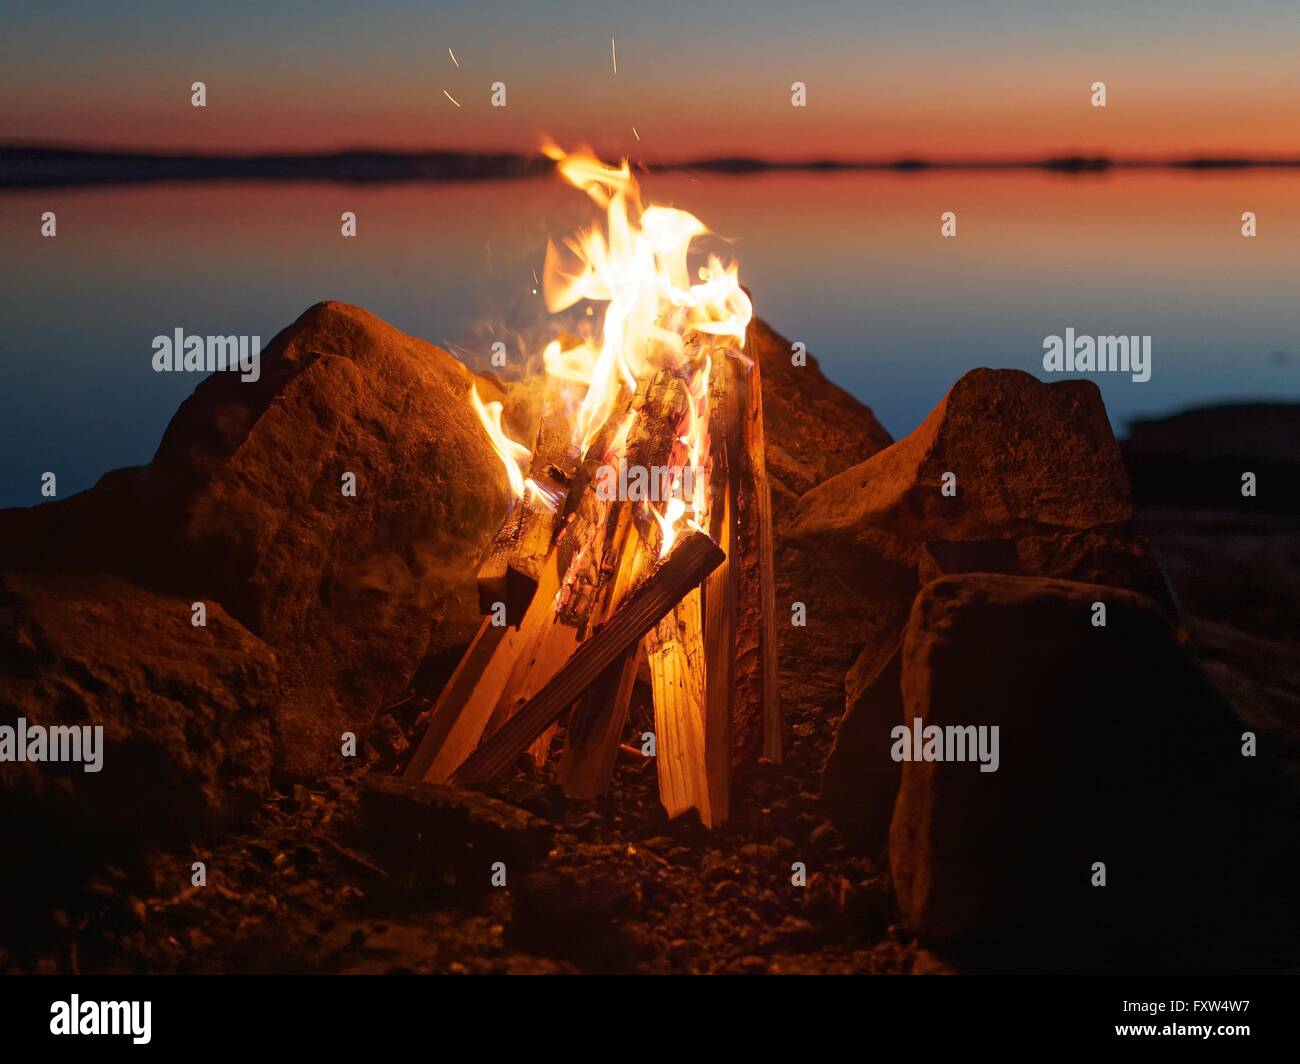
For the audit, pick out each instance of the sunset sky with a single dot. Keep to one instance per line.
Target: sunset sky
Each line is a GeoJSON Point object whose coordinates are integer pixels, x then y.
{"type": "Point", "coordinates": [942, 79]}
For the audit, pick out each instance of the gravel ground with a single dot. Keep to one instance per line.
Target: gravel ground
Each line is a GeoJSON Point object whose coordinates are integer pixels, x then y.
{"type": "Point", "coordinates": [622, 889]}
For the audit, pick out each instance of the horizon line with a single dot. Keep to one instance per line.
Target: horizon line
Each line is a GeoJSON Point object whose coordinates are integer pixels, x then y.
{"type": "Point", "coordinates": [33, 164]}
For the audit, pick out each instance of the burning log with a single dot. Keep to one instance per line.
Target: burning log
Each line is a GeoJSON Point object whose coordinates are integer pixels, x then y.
{"type": "Point", "coordinates": [510, 571]}
{"type": "Point", "coordinates": [711, 657]}
{"type": "Point", "coordinates": [597, 722]}
{"type": "Point", "coordinates": [690, 561]}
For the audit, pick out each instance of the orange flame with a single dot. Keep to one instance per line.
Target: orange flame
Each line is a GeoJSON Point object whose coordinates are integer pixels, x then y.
{"type": "Point", "coordinates": [638, 264]}
{"type": "Point", "coordinates": [515, 457]}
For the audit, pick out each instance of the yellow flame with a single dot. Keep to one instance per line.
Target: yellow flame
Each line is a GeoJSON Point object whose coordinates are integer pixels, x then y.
{"type": "Point", "coordinates": [514, 456]}
{"type": "Point", "coordinates": [638, 264]}
{"type": "Point", "coordinates": [673, 512]}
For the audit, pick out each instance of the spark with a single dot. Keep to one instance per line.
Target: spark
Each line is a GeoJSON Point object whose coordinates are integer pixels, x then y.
{"type": "Point", "coordinates": [450, 97]}
{"type": "Point", "coordinates": [613, 52]}
{"type": "Point", "coordinates": [635, 133]}
{"type": "Point", "coordinates": [453, 57]}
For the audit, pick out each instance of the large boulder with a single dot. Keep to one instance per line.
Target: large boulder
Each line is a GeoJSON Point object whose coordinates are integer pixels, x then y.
{"type": "Point", "coordinates": [1039, 490]}
{"type": "Point", "coordinates": [1027, 458]}
{"type": "Point", "coordinates": [242, 508]}
{"type": "Point", "coordinates": [352, 592]}
{"type": "Point", "coordinates": [187, 714]}
{"type": "Point", "coordinates": [1113, 747]}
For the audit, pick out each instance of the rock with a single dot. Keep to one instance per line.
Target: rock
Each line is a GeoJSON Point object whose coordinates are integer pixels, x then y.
{"type": "Point", "coordinates": [1231, 568]}
{"type": "Point", "coordinates": [1040, 490]}
{"type": "Point", "coordinates": [1197, 458]}
{"type": "Point", "coordinates": [1114, 747]}
{"type": "Point", "coordinates": [1029, 458]}
{"type": "Point", "coordinates": [926, 963]}
{"type": "Point", "coordinates": [1260, 678]}
{"type": "Point", "coordinates": [824, 838]}
{"type": "Point", "coordinates": [870, 906]}
{"type": "Point", "coordinates": [682, 952]}
{"type": "Point", "coordinates": [352, 592]}
{"type": "Point", "coordinates": [422, 831]}
{"type": "Point", "coordinates": [813, 430]}
{"type": "Point", "coordinates": [576, 918]}
{"type": "Point", "coordinates": [794, 934]}
{"type": "Point", "coordinates": [187, 713]}
{"type": "Point", "coordinates": [243, 506]}
{"type": "Point", "coordinates": [860, 781]}
{"type": "Point", "coordinates": [1111, 557]}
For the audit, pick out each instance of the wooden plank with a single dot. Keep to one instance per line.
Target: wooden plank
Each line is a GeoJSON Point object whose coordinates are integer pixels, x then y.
{"type": "Point", "coordinates": [756, 718]}
{"type": "Point", "coordinates": [718, 600]}
{"type": "Point", "coordinates": [470, 718]}
{"type": "Point", "coordinates": [453, 697]}
{"type": "Point", "coordinates": [718, 645]}
{"type": "Point", "coordinates": [675, 657]}
{"type": "Point", "coordinates": [755, 449]}
{"type": "Point", "coordinates": [596, 725]}
{"type": "Point", "coordinates": [514, 561]}
{"type": "Point", "coordinates": [595, 728]}
{"type": "Point", "coordinates": [493, 570]}
{"type": "Point", "coordinates": [531, 547]}
{"type": "Point", "coordinates": [553, 466]}
{"type": "Point", "coordinates": [690, 561]}
{"type": "Point", "coordinates": [545, 645]}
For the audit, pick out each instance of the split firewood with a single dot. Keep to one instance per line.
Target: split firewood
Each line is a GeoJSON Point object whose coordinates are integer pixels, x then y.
{"type": "Point", "coordinates": [674, 651]}
{"type": "Point", "coordinates": [720, 592]}
{"type": "Point", "coordinates": [653, 449]}
{"type": "Point", "coordinates": [608, 561]}
{"type": "Point", "coordinates": [756, 717]}
{"type": "Point", "coordinates": [471, 696]}
{"type": "Point", "coordinates": [510, 571]}
{"type": "Point", "coordinates": [651, 422]}
{"type": "Point", "coordinates": [691, 652]}
{"type": "Point", "coordinates": [755, 452]}
{"type": "Point", "coordinates": [494, 569]}
{"type": "Point", "coordinates": [690, 561]}
{"type": "Point", "coordinates": [591, 741]}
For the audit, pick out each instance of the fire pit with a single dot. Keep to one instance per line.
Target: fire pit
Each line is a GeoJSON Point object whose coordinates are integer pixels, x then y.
{"type": "Point", "coordinates": [641, 526]}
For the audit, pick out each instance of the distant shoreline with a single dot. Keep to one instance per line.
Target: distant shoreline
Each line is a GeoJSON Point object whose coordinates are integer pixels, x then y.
{"type": "Point", "coordinates": [43, 166]}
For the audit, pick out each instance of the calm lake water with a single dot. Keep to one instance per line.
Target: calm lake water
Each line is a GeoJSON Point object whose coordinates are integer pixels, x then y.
{"type": "Point", "coordinates": [851, 264]}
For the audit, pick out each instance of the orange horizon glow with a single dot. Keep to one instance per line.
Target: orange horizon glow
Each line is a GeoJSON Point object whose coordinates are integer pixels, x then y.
{"type": "Point", "coordinates": [947, 83]}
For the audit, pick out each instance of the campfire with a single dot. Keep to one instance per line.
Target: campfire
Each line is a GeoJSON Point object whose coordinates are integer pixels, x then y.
{"type": "Point", "coordinates": [640, 536]}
